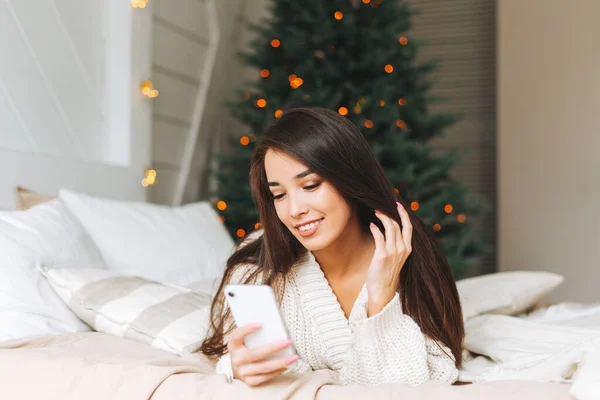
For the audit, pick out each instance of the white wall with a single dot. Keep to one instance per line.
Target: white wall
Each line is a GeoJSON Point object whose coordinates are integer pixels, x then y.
{"type": "Point", "coordinates": [71, 113]}
{"type": "Point", "coordinates": [549, 141]}
{"type": "Point", "coordinates": [181, 58]}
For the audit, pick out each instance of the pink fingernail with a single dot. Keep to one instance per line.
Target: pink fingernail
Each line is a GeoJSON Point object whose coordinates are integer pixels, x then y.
{"type": "Point", "coordinates": [292, 359]}
{"type": "Point", "coordinates": [401, 206]}
{"type": "Point", "coordinates": [372, 224]}
{"type": "Point", "coordinates": [255, 326]}
{"type": "Point", "coordinates": [286, 343]}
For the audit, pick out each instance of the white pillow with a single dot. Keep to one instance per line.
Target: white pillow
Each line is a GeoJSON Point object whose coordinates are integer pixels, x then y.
{"type": "Point", "coordinates": [168, 317]}
{"type": "Point", "coordinates": [507, 293]}
{"type": "Point", "coordinates": [48, 234]}
{"type": "Point", "coordinates": [179, 245]}
{"type": "Point", "coordinates": [521, 349]}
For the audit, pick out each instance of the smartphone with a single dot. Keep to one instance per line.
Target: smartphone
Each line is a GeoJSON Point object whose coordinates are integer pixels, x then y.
{"type": "Point", "coordinates": [258, 304]}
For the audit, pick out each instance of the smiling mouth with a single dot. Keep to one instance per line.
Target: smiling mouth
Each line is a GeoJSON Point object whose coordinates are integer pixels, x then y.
{"type": "Point", "coordinates": [309, 229]}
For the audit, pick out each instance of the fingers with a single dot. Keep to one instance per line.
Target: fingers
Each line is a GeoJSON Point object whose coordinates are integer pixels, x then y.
{"type": "Point", "coordinates": [266, 367]}
{"type": "Point", "coordinates": [407, 228]}
{"type": "Point", "coordinates": [379, 239]}
{"type": "Point", "coordinates": [392, 231]}
{"type": "Point", "coordinates": [260, 353]}
{"type": "Point", "coordinates": [260, 379]}
{"type": "Point", "coordinates": [238, 335]}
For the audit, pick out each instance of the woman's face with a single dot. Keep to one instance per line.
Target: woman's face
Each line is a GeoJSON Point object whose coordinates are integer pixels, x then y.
{"type": "Point", "coordinates": [307, 205]}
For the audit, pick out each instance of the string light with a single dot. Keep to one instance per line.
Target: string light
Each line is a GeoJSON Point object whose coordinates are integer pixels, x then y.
{"type": "Point", "coordinates": [381, 103]}
{"type": "Point", "coordinates": [402, 101]}
{"type": "Point", "coordinates": [264, 73]}
{"type": "Point", "coordinates": [366, 1]}
{"type": "Point", "coordinates": [149, 177]}
{"type": "Point", "coordinates": [401, 124]}
{"type": "Point", "coordinates": [257, 225]}
{"type": "Point", "coordinates": [222, 219]}
{"type": "Point", "coordinates": [139, 3]}
{"type": "Point", "coordinates": [403, 40]}
{"type": "Point", "coordinates": [338, 15]}
{"type": "Point", "coordinates": [275, 43]}
{"type": "Point", "coordinates": [389, 68]}
{"type": "Point", "coordinates": [278, 113]}
{"type": "Point", "coordinates": [240, 233]}
{"type": "Point", "coordinates": [221, 205]}
{"type": "Point", "coordinates": [343, 111]}
{"type": "Point", "coordinates": [368, 124]}
{"type": "Point", "coordinates": [296, 83]}
{"type": "Point", "coordinates": [448, 208]}
{"type": "Point", "coordinates": [396, 191]}
{"type": "Point", "coordinates": [461, 218]}
{"type": "Point", "coordinates": [437, 227]}
{"type": "Point", "coordinates": [261, 103]}
{"type": "Point", "coordinates": [245, 140]}
{"type": "Point", "coordinates": [147, 90]}
{"type": "Point", "coordinates": [414, 205]}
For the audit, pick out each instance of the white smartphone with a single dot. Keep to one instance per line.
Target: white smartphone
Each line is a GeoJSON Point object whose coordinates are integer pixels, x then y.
{"type": "Point", "coordinates": [258, 304]}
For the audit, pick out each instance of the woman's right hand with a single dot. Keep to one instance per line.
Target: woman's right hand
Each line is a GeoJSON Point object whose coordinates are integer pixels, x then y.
{"type": "Point", "coordinates": [251, 366]}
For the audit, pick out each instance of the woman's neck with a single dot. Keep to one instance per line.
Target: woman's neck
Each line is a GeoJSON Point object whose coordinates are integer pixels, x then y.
{"type": "Point", "coordinates": [351, 253]}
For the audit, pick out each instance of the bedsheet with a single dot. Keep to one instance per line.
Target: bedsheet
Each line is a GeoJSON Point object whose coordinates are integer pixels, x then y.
{"type": "Point", "coordinates": [98, 366]}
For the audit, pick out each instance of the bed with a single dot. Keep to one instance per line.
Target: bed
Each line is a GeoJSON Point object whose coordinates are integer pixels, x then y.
{"type": "Point", "coordinates": [109, 299]}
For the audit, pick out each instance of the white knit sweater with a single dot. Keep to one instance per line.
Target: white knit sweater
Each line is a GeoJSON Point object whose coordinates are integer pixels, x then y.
{"type": "Point", "coordinates": [387, 347]}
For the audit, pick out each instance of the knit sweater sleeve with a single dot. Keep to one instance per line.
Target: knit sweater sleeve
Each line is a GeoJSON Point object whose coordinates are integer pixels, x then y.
{"type": "Point", "coordinates": [390, 347]}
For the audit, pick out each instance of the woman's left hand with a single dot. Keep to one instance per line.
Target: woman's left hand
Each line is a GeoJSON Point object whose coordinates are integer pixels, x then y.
{"type": "Point", "coordinates": [391, 252]}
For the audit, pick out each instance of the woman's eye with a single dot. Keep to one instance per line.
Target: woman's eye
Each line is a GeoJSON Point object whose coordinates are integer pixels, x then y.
{"type": "Point", "coordinates": [310, 187]}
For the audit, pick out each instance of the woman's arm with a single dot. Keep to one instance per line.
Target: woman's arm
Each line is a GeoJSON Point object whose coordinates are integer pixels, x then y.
{"type": "Point", "coordinates": [390, 347]}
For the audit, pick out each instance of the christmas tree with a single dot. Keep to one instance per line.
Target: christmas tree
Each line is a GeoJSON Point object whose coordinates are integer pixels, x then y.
{"type": "Point", "coordinates": [356, 57]}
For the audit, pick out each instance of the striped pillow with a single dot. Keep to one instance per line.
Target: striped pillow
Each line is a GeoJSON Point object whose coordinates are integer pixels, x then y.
{"type": "Point", "coordinates": [163, 315]}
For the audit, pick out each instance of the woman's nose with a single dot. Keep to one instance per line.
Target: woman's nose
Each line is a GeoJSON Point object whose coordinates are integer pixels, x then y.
{"type": "Point", "coordinates": [297, 207]}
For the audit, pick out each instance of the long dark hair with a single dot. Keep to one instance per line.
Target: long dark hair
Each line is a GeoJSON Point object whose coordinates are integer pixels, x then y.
{"type": "Point", "coordinates": [331, 146]}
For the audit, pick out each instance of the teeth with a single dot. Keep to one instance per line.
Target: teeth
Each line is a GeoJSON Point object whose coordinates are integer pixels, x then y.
{"type": "Point", "coordinates": [308, 227]}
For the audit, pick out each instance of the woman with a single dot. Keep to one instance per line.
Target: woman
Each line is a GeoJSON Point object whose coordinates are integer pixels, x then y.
{"type": "Point", "coordinates": [364, 288]}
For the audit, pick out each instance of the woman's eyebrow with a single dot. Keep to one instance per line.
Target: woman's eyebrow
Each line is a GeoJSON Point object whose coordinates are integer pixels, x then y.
{"type": "Point", "coordinates": [299, 176]}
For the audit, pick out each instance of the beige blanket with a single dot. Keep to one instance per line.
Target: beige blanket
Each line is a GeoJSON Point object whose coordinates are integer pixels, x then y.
{"type": "Point", "coordinates": [97, 366]}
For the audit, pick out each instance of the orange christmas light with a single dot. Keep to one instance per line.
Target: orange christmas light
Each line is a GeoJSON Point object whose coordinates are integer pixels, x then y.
{"type": "Point", "coordinates": [261, 103]}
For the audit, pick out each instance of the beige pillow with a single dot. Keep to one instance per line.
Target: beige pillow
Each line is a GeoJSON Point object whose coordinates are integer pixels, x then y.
{"type": "Point", "coordinates": [506, 293]}
{"type": "Point", "coordinates": [165, 316]}
{"type": "Point", "coordinates": [25, 198]}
